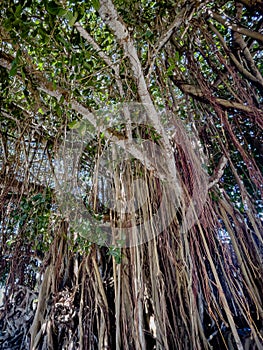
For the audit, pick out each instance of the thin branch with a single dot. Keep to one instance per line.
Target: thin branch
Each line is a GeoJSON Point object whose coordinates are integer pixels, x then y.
{"type": "Point", "coordinates": [241, 42]}
{"type": "Point", "coordinates": [102, 55]}
{"type": "Point", "coordinates": [177, 22]}
{"type": "Point", "coordinates": [93, 43]}
{"type": "Point", "coordinates": [239, 66]}
{"type": "Point", "coordinates": [196, 92]}
{"type": "Point", "coordinates": [237, 28]}
{"type": "Point", "coordinates": [164, 39]}
{"type": "Point", "coordinates": [131, 147]}
{"type": "Point", "coordinates": [218, 172]}
{"type": "Point", "coordinates": [239, 106]}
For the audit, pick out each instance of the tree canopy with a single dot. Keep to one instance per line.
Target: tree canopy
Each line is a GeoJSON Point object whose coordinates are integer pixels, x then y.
{"type": "Point", "coordinates": [152, 110]}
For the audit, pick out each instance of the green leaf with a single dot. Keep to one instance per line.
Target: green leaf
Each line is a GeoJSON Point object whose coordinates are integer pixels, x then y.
{"type": "Point", "coordinates": [115, 252]}
{"type": "Point", "coordinates": [18, 54]}
{"type": "Point", "coordinates": [62, 99]}
{"type": "Point", "coordinates": [69, 15]}
{"type": "Point", "coordinates": [9, 242]}
{"type": "Point", "coordinates": [15, 63]}
{"type": "Point", "coordinates": [52, 7]}
{"type": "Point", "coordinates": [7, 23]}
{"type": "Point", "coordinates": [73, 19]}
{"type": "Point", "coordinates": [74, 124]}
{"type": "Point", "coordinates": [18, 10]}
{"type": "Point", "coordinates": [96, 4]}
{"type": "Point", "coordinates": [73, 59]}
{"type": "Point", "coordinates": [63, 41]}
{"type": "Point", "coordinates": [38, 198]}
{"type": "Point", "coordinates": [62, 12]}
{"type": "Point", "coordinates": [148, 33]}
{"type": "Point", "coordinates": [59, 111]}
{"type": "Point", "coordinates": [13, 69]}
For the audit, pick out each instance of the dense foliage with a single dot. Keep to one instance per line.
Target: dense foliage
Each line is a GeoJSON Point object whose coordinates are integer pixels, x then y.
{"type": "Point", "coordinates": [200, 64]}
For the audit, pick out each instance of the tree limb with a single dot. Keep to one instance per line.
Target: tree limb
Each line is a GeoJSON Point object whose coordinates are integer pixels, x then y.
{"type": "Point", "coordinates": [47, 87]}
{"type": "Point", "coordinates": [196, 92]}
{"type": "Point", "coordinates": [102, 54]}
{"type": "Point", "coordinates": [236, 27]}
{"type": "Point", "coordinates": [109, 14]}
{"type": "Point", "coordinates": [164, 39]}
{"type": "Point", "coordinates": [239, 66]}
{"type": "Point", "coordinates": [218, 172]}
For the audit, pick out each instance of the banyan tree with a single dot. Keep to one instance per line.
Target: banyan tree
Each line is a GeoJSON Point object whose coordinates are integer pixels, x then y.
{"type": "Point", "coordinates": [131, 174]}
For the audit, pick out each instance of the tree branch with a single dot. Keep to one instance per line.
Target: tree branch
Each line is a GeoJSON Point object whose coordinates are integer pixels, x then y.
{"type": "Point", "coordinates": [109, 14]}
{"type": "Point", "coordinates": [132, 148]}
{"type": "Point", "coordinates": [196, 92]}
{"type": "Point", "coordinates": [250, 62]}
{"type": "Point", "coordinates": [218, 172]}
{"type": "Point", "coordinates": [258, 4]}
{"type": "Point", "coordinates": [236, 27]}
{"type": "Point", "coordinates": [239, 66]}
{"type": "Point", "coordinates": [102, 55]}
{"type": "Point", "coordinates": [164, 39]}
